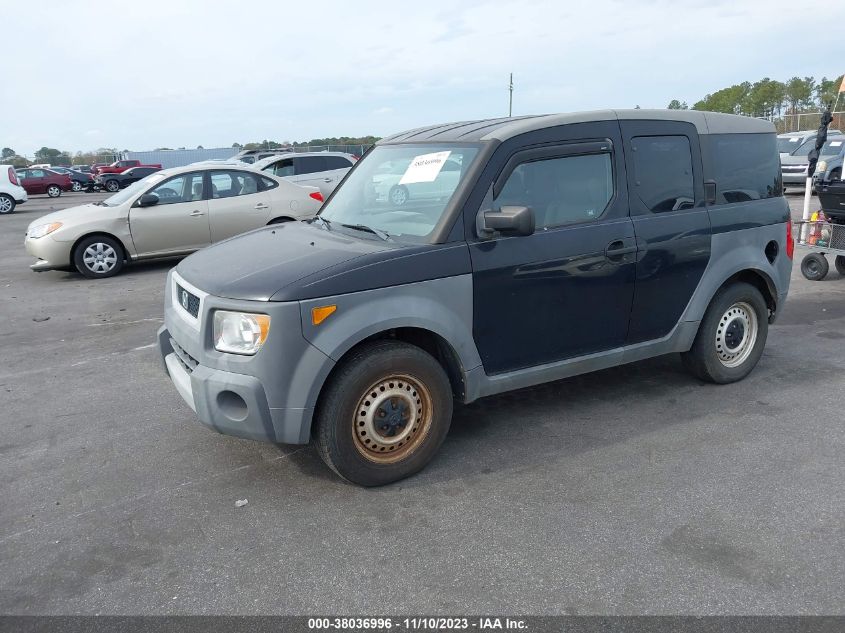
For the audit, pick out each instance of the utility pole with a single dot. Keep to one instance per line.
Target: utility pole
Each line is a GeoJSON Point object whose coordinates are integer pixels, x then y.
{"type": "Point", "coordinates": [510, 102]}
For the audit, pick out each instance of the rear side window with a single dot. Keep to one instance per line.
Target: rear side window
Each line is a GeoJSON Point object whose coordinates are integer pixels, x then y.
{"type": "Point", "coordinates": [337, 162]}
{"type": "Point", "coordinates": [663, 172]}
{"type": "Point", "coordinates": [560, 191]}
{"type": "Point", "coordinates": [745, 167]}
{"type": "Point", "coordinates": [310, 164]}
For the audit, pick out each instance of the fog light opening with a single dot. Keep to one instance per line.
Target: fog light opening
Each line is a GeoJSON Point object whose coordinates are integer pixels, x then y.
{"type": "Point", "coordinates": [232, 405]}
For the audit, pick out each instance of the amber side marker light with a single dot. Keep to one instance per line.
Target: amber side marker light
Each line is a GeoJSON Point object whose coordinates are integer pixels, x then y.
{"type": "Point", "coordinates": [318, 315]}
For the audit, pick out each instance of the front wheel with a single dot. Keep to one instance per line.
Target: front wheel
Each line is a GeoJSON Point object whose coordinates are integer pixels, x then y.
{"type": "Point", "coordinates": [54, 191]}
{"type": "Point", "coordinates": [98, 256]}
{"type": "Point", "coordinates": [7, 203]}
{"type": "Point", "coordinates": [384, 414]}
{"type": "Point", "coordinates": [731, 336]}
{"type": "Point", "coordinates": [814, 267]}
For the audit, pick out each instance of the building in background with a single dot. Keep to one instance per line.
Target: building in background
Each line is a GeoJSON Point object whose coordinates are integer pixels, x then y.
{"type": "Point", "coordinates": [179, 157]}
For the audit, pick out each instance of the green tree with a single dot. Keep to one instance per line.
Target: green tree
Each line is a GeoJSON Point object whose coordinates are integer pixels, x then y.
{"type": "Point", "coordinates": [7, 152]}
{"type": "Point", "coordinates": [728, 100]}
{"type": "Point", "coordinates": [799, 93]}
{"type": "Point", "coordinates": [827, 90]}
{"type": "Point", "coordinates": [674, 104]}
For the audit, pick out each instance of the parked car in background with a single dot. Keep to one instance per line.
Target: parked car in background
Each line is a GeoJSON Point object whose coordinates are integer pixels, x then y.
{"type": "Point", "coordinates": [251, 156]}
{"type": "Point", "coordinates": [831, 157]}
{"type": "Point", "coordinates": [44, 181]}
{"type": "Point", "coordinates": [79, 180]}
{"type": "Point", "coordinates": [171, 212]}
{"type": "Point", "coordinates": [113, 182]}
{"type": "Point", "coordinates": [388, 183]}
{"type": "Point", "coordinates": [120, 166]}
{"type": "Point", "coordinates": [85, 169]}
{"type": "Point", "coordinates": [790, 142]}
{"type": "Point", "coordinates": [316, 169]}
{"type": "Point", "coordinates": [11, 192]}
{"type": "Point", "coordinates": [96, 166]}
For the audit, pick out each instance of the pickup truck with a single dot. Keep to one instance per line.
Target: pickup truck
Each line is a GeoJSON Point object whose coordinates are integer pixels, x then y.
{"type": "Point", "coordinates": [120, 166]}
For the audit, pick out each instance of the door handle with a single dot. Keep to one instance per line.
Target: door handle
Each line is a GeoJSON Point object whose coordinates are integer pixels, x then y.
{"type": "Point", "coordinates": [261, 205]}
{"type": "Point", "coordinates": [327, 179]}
{"type": "Point", "coordinates": [617, 250]}
{"type": "Point", "coordinates": [196, 213]}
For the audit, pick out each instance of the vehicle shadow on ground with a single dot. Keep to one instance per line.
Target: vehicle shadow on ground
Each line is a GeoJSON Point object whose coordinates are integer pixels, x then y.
{"type": "Point", "coordinates": [139, 269]}
{"type": "Point", "coordinates": [524, 429]}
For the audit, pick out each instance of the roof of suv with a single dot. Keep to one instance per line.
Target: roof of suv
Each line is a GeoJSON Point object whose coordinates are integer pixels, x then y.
{"type": "Point", "coordinates": [504, 128]}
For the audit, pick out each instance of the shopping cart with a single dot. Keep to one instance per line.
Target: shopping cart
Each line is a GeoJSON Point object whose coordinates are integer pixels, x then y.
{"type": "Point", "coordinates": [821, 237]}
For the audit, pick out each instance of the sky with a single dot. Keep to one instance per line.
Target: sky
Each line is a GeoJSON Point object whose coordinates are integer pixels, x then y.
{"type": "Point", "coordinates": [139, 75]}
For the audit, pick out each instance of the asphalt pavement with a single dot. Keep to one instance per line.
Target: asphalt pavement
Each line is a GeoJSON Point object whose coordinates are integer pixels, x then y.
{"type": "Point", "coordinates": [636, 490]}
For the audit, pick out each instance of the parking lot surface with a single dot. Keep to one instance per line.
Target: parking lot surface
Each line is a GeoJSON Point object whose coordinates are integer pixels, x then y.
{"type": "Point", "coordinates": [636, 490]}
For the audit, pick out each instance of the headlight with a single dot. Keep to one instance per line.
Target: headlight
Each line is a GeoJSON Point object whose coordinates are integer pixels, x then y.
{"type": "Point", "coordinates": [44, 229]}
{"type": "Point", "coordinates": [821, 166]}
{"type": "Point", "coordinates": [240, 332]}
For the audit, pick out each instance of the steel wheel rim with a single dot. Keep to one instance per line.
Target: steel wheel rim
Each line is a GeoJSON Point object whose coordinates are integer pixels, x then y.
{"type": "Point", "coordinates": [392, 419]}
{"type": "Point", "coordinates": [99, 258]}
{"type": "Point", "coordinates": [813, 267]}
{"type": "Point", "coordinates": [399, 196]}
{"type": "Point", "coordinates": [111, 186]}
{"type": "Point", "coordinates": [77, 186]}
{"type": "Point", "coordinates": [53, 191]}
{"type": "Point", "coordinates": [5, 204]}
{"type": "Point", "coordinates": [736, 334]}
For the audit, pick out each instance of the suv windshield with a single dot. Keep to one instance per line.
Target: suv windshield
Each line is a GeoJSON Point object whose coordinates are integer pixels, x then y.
{"type": "Point", "coordinates": [788, 144]}
{"type": "Point", "coordinates": [399, 190]}
{"type": "Point", "coordinates": [832, 147]}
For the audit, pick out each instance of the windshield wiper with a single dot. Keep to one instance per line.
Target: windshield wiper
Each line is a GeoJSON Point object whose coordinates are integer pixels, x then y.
{"type": "Point", "coordinates": [363, 227]}
{"type": "Point", "coordinates": [326, 223]}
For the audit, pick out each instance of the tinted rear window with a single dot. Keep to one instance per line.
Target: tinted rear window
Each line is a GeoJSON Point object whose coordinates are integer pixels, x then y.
{"type": "Point", "coordinates": [663, 169]}
{"type": "Point", "coordinates": [309, 164]}
{"type": "Point", "coordinates": [745, 167]}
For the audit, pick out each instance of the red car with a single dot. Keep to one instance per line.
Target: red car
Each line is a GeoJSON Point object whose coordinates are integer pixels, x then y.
{"type": "Point", "coordinates": [120, 166]}
{"type": "Point", "coordinates": [44, 181]}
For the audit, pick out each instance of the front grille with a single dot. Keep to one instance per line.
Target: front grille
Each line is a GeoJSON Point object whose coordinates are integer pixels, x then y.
{"type": "Point", "coordinates": [188, 362]}
{"type": "Point", "coordinates": [189, 302]}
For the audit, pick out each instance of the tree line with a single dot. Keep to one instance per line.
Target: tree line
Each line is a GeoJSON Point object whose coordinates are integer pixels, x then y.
{"type": "Point", "coordinates": [769, 98]}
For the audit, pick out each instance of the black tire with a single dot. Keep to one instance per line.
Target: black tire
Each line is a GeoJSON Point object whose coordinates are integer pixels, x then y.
{"type": "Point", "coordinates": [279, 221]}
{"type": "Point", "coordinates": [347, 412]}
{"type": "Point", "coordinates": [76, 186]}
{"type": "Point", "coordinates": [111, 262]}
{"type": "Point", "coordinates": [836, 174]}
{"type": "Point", "coordinates": [839, 263]}
{"type": "Point", "coordinates": [7, 203]}
{"type": "Point", "coordinates": [54, 191]}
{"type": "Point", "coordinates": [398, 195]}
{"type": "Point", "coordinates": [112, 185]}
{"type": "Point", "coordinates": [709, 358]}
{"type": "Point", "coordinates": [814, 267]}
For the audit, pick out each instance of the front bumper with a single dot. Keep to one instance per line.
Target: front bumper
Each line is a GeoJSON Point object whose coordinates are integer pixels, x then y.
{"type": "Point", "coordinates": [794, 178]}
{"type": "Point", "coordinates": [267, 397]}
{"type": "Point", "coordinates": [50, 253]}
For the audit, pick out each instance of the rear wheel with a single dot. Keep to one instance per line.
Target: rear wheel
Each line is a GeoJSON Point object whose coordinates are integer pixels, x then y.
{"type": "Point", "coordinates": [384, 414]}
{"type": "Point", "coordinates": [839, 263]}
{"type": "Point", "coordinates": [814, 267]}
{"type": "Point", "coordinates": [731, 336]}
{"type": "Point", "coordinates": [7, 203]}
{"type": "Point", "coordinates": [76, 186]}
{"type": "Point", "coordinates": [98, 256]}
{"type": "Point", "coordinates": [112, 185]}
{"type": "Point", "coordinates": [54, 191]}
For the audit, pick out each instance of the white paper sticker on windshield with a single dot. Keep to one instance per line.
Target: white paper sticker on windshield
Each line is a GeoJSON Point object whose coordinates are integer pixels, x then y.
{"type": "Point", "coordinates": [835, 143]}
{"type": "Point", "coordinates": [424, 168]}
{"type": "Point", "coordinates": [795, 139]}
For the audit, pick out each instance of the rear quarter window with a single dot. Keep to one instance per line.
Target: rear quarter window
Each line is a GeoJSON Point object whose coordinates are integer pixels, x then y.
{"type": "Point", "coordinates": [745, 167]}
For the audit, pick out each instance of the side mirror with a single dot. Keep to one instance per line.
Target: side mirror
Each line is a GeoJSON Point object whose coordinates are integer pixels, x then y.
{"type": "Point", "coordinates": [509, 220]}
{"type": "Point", "coordinates": [147, 200]}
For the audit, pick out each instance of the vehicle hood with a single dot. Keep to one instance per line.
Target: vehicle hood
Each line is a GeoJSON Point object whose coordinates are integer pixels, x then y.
{"type": "Point", "coordinates": [258, 264]}
{"type": "Point", "coordinates": [82, 213]}
{"type": "Point", "coordinates": [297, 261]}
{"type": "Point", "coordinates": [794, 160]}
